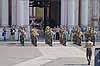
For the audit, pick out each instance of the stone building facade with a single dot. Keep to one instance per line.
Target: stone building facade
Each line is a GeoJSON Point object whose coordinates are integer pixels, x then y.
{"type": "Point", "coordinates": [73, 12]}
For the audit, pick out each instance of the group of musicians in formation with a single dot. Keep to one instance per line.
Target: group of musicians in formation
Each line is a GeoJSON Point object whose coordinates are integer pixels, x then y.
{"type": "Point", "coordinates": [62, 35]}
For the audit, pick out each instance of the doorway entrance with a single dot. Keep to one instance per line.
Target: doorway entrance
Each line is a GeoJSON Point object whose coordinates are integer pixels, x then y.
{"type": "Point", "coordinates": [47, 10]}
{"type": "Point", "coordinates": [39, 13]}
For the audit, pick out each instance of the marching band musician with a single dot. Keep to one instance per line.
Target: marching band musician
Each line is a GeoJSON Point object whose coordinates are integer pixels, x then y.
{"type": "Point", "coordinates": [93, 36]}
{"type": "Point", "coordinates": [34, 36]}
{"type": "Point", "coordinates": [22, 36]}
{"type": "Point", "coordinates": [63, 37]}
{"type": "Point", "coordinates": [66, 35]}
{"type": "Point", "coordinates": [91, 33]}
{"type": "Point", "coordinates": [77, 36]}
{"type": "Point", "coordinates": [61, 32]}
{"type": "Point", "coordinates": [48, 36]}
{"type": "Point", "coordinates": [74, 37]}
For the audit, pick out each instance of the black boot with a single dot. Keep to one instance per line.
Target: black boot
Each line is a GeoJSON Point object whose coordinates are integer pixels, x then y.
{"type": "Point", "coordinates": [88, 62]}
{"type": "Point", "coordinates": [35, 45]}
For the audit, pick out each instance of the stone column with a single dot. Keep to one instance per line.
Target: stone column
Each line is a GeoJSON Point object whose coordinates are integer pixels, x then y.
{"type": "Point", "coordinates": [64, 12]}
{"type": "Point", "coordinates": [1, 19]}
{"type": "Point", "coordinates": [22, 12]}
{"type": "Point", "coordinates": [76, 12]}
{"type": "Point", "coordinates": [23, 15]}
{"type": "Point", "coordinates": [34, 11]}
{"type": "Point", "coordinates": [14, 12]}
{"type": "Point", "coordinates": [0, 12]}
{"type": "Point", "coordinates": [90, 11]}
{"type": "Point", "coordinates": [4, 15]}
{"type": "Point", "coordinates": [96, 13]}
{"type": "Point", "coordinates": [30, 11]}
{"type": "Point", "coordinates": [84, 13]}
{"type": "Point", "coordinates": [71, 14]}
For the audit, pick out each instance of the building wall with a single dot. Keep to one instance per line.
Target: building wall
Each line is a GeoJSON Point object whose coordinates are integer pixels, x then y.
{"type": "Point", "coordinates": [69, 12]}
{"type": "Point", "coordinates": [0, 13]}
{"type": "Point", "coordinates": [4, 12]}
{"type": "Point", "coordinates": [71, 15]}
{"type": "Point", "coordinates": [64, 12]}
{"type": "Point", "coordinates": [22, 12]}
{"type": "Point", "coordinates": [84, 12]}
{"type": "Point", "coordinates": [96, 12]}
{"type": "Point", "coordinates": [76, 13]}
{"type": "Point", "coordinates": [90, 11]}
{"type": "Point", "coordinates": [14, 12]}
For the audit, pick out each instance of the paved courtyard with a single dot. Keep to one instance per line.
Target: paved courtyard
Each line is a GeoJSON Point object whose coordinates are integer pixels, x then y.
{"type": "Point", "coordinates": [13, 54]}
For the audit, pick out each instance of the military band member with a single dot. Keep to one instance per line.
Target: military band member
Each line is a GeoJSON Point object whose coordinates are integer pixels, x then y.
{"type": "Point", "coordinates": [34, 36]}
{"type": "Point", "coordinates": [91, 33]}
{"type": "Point", "coordinates": [62, 36]}
{"type": "Point", "coordinates": [61, 32]}
{"type": "Point", "coordinates": [86, 35]}
{"type": "Point", "coordinates": [93, 36]}
{"type": "Point", "coordinates": [74, 37]}
{"type": "Point", "coordinates": [77, 36]}
{"type": "Point", "coordinates": [66, 35]}
{"type": "Point", "coordinates": [74, 34]}
{"type": "Point", "coordinates": [89, 46]}
{"type": "Point", "coordinates": [22, 36]}
{"type": "Point", "coordinates": [48, 36]}
{"type": "Point", "coordinates": [46, 30]}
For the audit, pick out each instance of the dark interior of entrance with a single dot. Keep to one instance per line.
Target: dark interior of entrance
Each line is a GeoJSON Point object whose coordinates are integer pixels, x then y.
{"type": "Point", "coordinates": [52, 11]}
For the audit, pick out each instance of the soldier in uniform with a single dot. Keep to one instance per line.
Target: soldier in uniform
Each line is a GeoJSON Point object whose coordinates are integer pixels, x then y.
{"type": "Point", "coordinates": [66, 35]}
{"type": "Point", "coordinates": [34, 36]}
{"type": "Point", "coordinates": [77, 37]}
{"type": "Point", "coordinates": [22, 36]}
{"type": "Point", "coordinates": [46, 30]}
{"type": "Point", "coordinates": [48, 36]}
{"type": "Point", "coordinates": [86, 34]}
{"type": "Point", "coordinates": [62, 35]}
{"type": "Point", "coordinates": [93, 35]}
{"type": "Point", "coordinates": [89, 33]}
{"type": "Point", "coordinates": [74, 37]}
{"type": "Point", "coordinates": [74, 34]}
{"type": "Point", "coordinates": [89, 46]}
